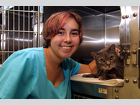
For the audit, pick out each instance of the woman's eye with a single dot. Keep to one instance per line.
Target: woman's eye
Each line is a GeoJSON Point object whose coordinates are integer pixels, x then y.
{"type": "Point", "coordinates": [111, 58]}
{"type": "Point", "coordinates": [102, 60]}
{"type": "Point", "coordinates": [74, 33]}
{"type": "Point", "coordinates": [60, 32]}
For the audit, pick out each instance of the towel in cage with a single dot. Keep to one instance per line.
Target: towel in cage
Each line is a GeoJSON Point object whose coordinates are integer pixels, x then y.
{"type": "Point", "coordinates": [111, 82]}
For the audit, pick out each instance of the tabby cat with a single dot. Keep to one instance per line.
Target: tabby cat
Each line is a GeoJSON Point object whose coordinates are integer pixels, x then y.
{"type": "Point", "coordinates": [109, 65]}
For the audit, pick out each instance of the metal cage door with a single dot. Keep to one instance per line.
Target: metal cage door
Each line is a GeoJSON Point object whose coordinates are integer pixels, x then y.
{"type": "Point", "coordinates": [20, 28]}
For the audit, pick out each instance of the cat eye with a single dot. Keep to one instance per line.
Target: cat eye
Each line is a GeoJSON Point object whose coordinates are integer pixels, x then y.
{"type": "Point", "coordinates": [111, 58]}
{"type": "Point", "coordinates": [102, 60]}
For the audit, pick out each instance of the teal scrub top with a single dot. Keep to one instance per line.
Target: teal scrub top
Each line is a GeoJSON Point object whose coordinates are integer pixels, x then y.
{"type": "Point", "coordinates": [23, 76]}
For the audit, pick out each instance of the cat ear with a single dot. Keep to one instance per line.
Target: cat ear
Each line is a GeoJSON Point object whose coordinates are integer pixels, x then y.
{"type": "Point", "coordinates": [112, 47]}
{"type": "Point", "coordinates": [94, 54]}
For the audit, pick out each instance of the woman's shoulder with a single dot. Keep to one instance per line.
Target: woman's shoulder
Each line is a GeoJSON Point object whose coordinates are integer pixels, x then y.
{"type": "Point", "coordinates": [33, 50]}
{"type": "Point", "coordinates": [28, 53]}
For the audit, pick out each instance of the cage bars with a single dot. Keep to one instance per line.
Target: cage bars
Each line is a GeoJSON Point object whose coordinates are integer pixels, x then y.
{"type": "Point", "coordinates": [17, 30]}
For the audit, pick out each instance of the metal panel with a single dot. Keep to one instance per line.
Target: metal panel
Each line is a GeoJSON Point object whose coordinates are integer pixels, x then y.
{"type": "Point", "coordinates": [92, 90]}
{"type": "Point", "coordinates": [93, 36]}
{"type": "Point", "coordinates": [112, 23]}
{"type": "Point", "coordinates": [130, 52]}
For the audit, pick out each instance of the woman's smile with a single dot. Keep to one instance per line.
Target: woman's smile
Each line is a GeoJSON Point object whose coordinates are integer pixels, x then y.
{"type": "Point", "coordinates": [67, 48]}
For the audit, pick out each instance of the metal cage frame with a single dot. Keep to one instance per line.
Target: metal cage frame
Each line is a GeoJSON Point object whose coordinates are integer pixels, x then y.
{"type": "Point", "coordinates": [21, 28]}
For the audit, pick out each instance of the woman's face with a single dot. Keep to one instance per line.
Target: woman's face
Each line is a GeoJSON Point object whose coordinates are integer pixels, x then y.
{"type": "Point", "coordinates": [66, 42]}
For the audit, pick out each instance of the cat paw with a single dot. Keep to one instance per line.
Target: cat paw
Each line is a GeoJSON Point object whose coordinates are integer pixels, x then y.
{"type": "Point", "coordinates": [102, 78]}
{"type": "Point", "coordinates": [88, 75]}
{"type": "Point", "coordinates": [85, 75]}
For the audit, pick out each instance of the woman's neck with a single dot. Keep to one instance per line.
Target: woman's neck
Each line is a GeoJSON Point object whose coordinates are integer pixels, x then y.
{"type": "Point", "coordinates": [51, 58]}
{"type": "Point", "coordinates": [53, 67]}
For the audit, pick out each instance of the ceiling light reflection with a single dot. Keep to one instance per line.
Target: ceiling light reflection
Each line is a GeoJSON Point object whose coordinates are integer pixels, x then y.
{"type": "Point", "coordinates": [113, 40]}
{"type": "Point", "coordinates": [90, 38]}
{"type": "Point", "coordinates": [97, 41]}
{"type": "Point", "coordinates": [103, 40]}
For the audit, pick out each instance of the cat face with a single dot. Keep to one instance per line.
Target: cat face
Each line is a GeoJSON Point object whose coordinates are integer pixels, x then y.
{"type": "Point", "coordinates": [106, 59]}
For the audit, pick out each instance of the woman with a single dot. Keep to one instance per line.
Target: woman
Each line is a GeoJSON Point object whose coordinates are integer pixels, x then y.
{"type": "Point", "coordinates": [45, 73]}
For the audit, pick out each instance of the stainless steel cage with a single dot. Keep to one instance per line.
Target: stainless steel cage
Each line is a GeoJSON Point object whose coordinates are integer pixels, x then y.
{"type": "Point", "coordinates": [20, 28]}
